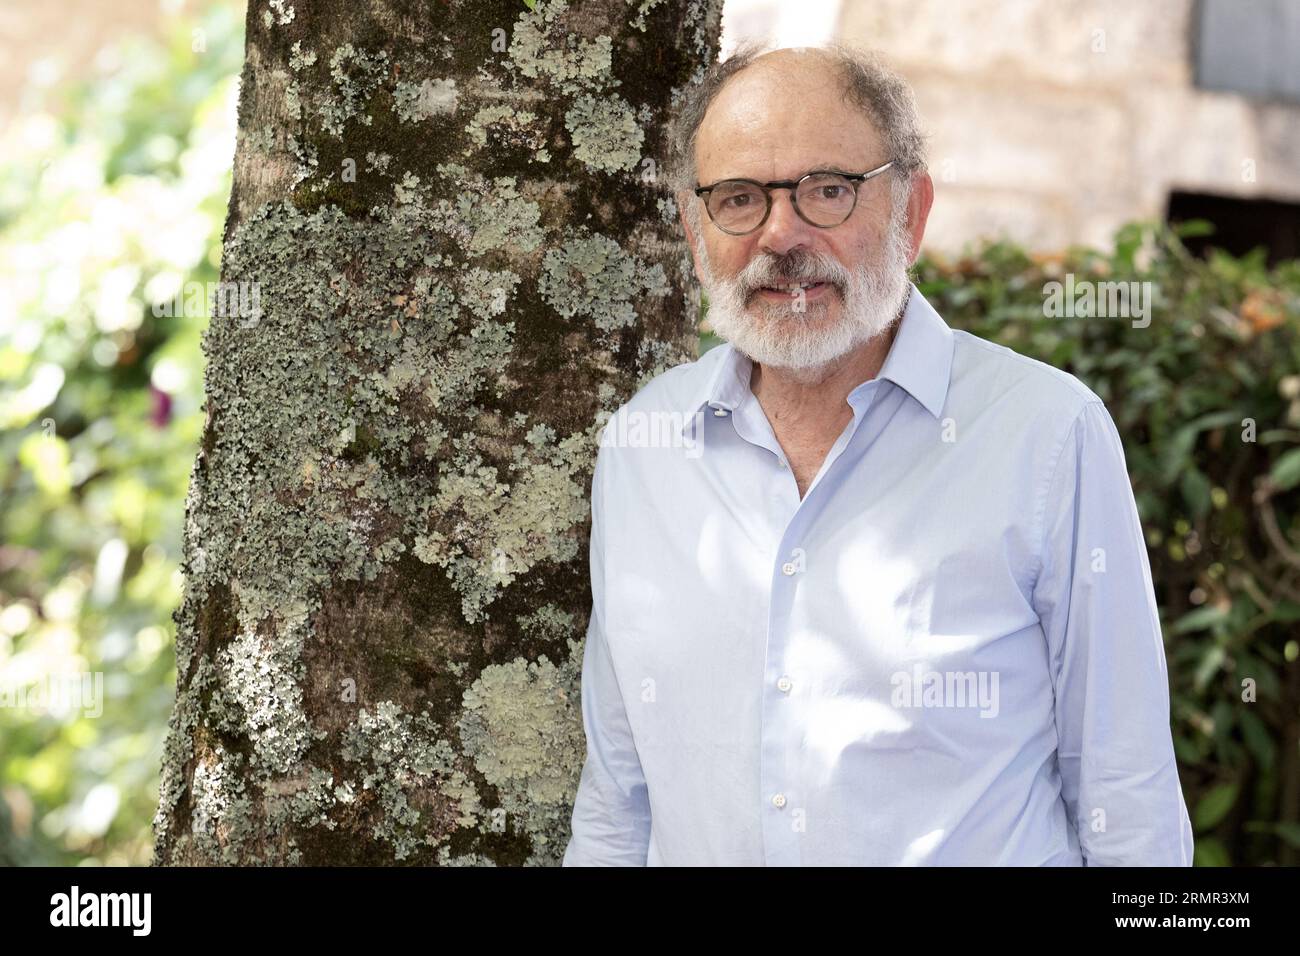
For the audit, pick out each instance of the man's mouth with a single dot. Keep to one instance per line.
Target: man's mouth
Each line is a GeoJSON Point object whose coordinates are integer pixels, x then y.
{"type": "Point", "coordinates": [792, 290]}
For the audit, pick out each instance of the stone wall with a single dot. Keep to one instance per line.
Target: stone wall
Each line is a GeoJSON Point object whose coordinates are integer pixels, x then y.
{"type": "Point", "coordinates": [1053, 123]}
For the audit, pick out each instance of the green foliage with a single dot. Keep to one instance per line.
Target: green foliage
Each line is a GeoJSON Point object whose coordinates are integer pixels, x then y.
{"type": "Point", "coordinates": [1218, 499]}
{"type": "Point", "coordinates": [112, 197]}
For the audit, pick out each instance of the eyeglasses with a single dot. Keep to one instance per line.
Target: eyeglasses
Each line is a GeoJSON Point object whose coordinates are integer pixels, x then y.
{"type": "Point", "coordinates": [822, 199]}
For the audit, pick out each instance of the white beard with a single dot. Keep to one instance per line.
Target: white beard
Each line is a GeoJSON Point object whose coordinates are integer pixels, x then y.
{"type": "Point", "coordinates": [776, 334]}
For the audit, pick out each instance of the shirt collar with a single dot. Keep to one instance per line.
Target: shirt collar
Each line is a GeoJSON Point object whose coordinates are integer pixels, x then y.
{"type": "Point", "coordinates": [919, 361]}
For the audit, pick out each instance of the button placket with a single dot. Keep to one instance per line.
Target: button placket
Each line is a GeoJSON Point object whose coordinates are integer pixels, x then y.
{"type": "Point", "coordinates": [782, 718]}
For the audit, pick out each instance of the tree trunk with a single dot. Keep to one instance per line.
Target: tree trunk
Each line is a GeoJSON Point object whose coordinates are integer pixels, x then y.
{"type": "Point", "coordinates": [447, 259]}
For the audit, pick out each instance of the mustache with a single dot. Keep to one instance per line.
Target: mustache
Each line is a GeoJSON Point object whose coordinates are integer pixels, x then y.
{"type": "Point", "coordinates": [796, 266]}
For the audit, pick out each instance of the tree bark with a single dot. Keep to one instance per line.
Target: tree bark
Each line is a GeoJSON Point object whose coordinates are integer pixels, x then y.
{"type": "Point", "coordinates": [448, 258]}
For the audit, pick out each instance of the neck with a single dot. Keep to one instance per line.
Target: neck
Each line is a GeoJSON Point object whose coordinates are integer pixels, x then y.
{"type": "Point", "coordinates": [817, 397]}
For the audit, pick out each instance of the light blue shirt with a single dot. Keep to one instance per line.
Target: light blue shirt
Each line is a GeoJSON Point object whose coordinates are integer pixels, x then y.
{"type": "Point", "coordinates": [947, 653]}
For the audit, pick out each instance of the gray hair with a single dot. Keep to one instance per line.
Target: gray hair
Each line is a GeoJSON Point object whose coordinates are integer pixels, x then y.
{"type": "Point", "coordinates": [880, 93]}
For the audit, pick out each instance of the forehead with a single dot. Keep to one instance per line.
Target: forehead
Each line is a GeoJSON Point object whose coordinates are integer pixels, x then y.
{"type": "Point", "coordinates": [778, 120]}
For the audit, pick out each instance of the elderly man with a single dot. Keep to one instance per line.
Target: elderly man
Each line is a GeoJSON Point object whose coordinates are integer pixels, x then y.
{"type": "Point", "coordinates": [888, 601]}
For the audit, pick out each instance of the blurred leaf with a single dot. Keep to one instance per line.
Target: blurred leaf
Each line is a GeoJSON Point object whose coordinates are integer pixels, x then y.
{"type": "Point", "coordinates": [1192, 228]}
{"type": "Point", "coordinates": [1214, 806]}
{"type": "Point", "coordinates": [1210, 851]}
{"type": "Point", "coordinates": [1290, 832]}
{"type": "Point", "coordinates": [1200, 619]}
{"type": "Point", "coordinates": [1257, 739]}
{"type": "Point", "coordinates": [1286, 471]}
{"type": "Point", "coordinates": [1285, 611]}
{"type": "Point", "coordinates": [1196, 492]}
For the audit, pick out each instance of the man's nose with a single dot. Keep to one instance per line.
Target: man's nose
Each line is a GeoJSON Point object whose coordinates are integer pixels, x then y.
{"type": "Point", "coordinates": [784, 229]}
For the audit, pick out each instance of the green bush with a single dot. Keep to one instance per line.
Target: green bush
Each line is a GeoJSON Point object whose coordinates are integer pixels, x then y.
{"type": "Point", "coordinates": [112, 196]}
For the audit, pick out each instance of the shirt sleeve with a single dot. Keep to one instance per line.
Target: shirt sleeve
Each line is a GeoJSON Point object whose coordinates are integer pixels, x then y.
{"type": "Point", "coordinates": [611, 813]}
{"type": "Point", "coordinates": [1095, 600]}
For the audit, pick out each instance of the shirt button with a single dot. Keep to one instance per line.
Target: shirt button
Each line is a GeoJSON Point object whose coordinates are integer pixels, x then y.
{"type": "Point", "coordinates": [778, 801]}
{"type": "Point", "coordinates": [787, 569]}
{"type": "Point", "coordinates": [720, 412]}
{"type": "Point", "coordinates": [784, 685]}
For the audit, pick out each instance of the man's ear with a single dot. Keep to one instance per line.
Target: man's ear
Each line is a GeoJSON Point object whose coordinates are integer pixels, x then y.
{"type": "Point", "coordinates": [682, 199]}
{"type": "Point", "coordinates": [918, 211]}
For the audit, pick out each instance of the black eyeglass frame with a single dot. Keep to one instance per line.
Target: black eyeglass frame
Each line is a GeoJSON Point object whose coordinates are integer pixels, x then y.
{"type": "Point", "coordinates": [857, 179]}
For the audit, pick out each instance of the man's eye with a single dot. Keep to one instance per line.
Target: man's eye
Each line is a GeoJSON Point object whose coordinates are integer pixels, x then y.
{"type": "Point", "coordinates": [831, 192]}
{"type": "Point", "coordinates": [736, 202]}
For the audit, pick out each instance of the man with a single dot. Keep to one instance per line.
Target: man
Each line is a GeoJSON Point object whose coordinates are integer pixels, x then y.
{"type": "Point", "coordinates": [886, 601]}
